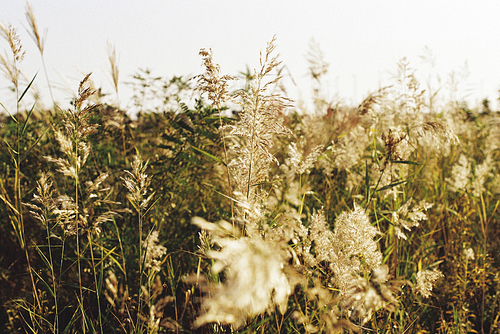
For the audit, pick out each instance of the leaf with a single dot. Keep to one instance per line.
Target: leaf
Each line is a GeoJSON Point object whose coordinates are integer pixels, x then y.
{"type": "Point", "coordinates": [7, 110]}
{"type": "Point", "coordinates": [44, 283]}
{"type": "Point", "coordinates": [27, 119]}
{"type": "Point", "coordinates": [406, 162]}
{"type": "Point", "coordinates": [72, 321]}
{"type": "Point", "coordinates": [392, 185]}
{"type": "Point", "coordinates": [33, 145]}
{"type": "Point", "coordinates": [10, 147]}
{"type": "Point", "coordinates": [217, 118]}
{"type": "Point", "coordinates": [154, 203]}
{"type": "Point", "coordinates": [213, 157]}
{"type": "Point", "coordinates": [367, 180]}
{"type": "Point", "coordinates": [108, 254]}
{"type": "Point", "coordinates": [27, 88]}
{"type": "Point", "coordinates": [43, 257]}
{"type": "Point", "coordinates": [184, 107]}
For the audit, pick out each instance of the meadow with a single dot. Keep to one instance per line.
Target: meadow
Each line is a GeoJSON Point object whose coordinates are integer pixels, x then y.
{"type": "Point", "coordinates": [238, 212]}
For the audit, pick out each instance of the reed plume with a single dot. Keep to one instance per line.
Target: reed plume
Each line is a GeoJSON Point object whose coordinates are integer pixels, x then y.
{"type": "Point", "coordinates": [113, 68]}
{"type": "Point", "coordinates": [253, 134]}
{"type": "Point", "coordinates": [11, 67]}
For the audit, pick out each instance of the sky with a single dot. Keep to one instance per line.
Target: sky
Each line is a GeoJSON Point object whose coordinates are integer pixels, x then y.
{"type": "Point", "coordinates": [362, 41]}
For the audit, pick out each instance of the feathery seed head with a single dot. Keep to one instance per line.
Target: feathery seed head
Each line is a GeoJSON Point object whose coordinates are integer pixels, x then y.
{"type": "Point", "coordinates": [76, 120]}
{"type": "Point", "coordinates": [255, 282]}
{"type": "Point", "coordinates": [302, 164]}
{"type": "Point", "coordinates": [42, 210]}
{"type": "Point", "coordinates": [460, 172]}
{"type": "Point", "coordinates": [404, 218]}
{"type": "Point", "coordinates": [9, 33]}
{"type": "Point", "coordinates": [348, 250]}
{"type": "Point", "coordinates": [469, 254]}
{"type": "Point", "coordinates": [425, 281]}
{"type": "Point", "coordinates": [397, 145]}
{"type": "Point", "coordinates": [254, 133]}
{"type": "Point", "coordinates": [481, 173]}
{"type": "Point", "coordinates": [154, 251]}
{"type": "Point", "coordinates": [113, 62]}
{"type": "Point", "coordinates": [363, 296]}
{"type": "Point", "coordinates": [212, 83]}
{"type": "Point", "coordinates": [137, 183]}
{"type": "Point", "coordinates": [10, 67]}
{"type": "Point", "coordinates": [68, 215]}
{"type": "Point", "coordinates": [316, 59]}
{"type": "Point", "coordinates": [354, 245]}
{"type": "Point", "coordinates": [438, 130]}
{"type": "Point", "coordinates": [35, 34]}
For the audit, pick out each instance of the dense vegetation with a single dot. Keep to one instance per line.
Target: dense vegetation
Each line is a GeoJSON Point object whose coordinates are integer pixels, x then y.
{"type": "Point", "coordinates": [243, 214]}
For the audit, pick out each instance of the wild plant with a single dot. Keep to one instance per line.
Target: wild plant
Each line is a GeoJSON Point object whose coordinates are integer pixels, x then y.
{"type": "Point", "coordinates": [137, 183]}
{"type": "Point", "coordinates": [13, 195]}
{"type": "Point", "coordinates": [368, 218]}
{"type": "Point", "coordinates": [276, 254]}
{"type": "Point", "coordinates": [155, 93]}
{"type": "Point", "coordinates": [114, 70]}
{"type": "Point", "coordinates": [40, 43]}
{"type": "Point", "coordinates": [318, 68]}
{"type": "Point", "coordinates": [82, 211]}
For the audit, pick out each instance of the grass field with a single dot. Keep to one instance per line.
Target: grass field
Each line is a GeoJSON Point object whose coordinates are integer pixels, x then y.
{"type": "Point", "coordinates": [242, 213]}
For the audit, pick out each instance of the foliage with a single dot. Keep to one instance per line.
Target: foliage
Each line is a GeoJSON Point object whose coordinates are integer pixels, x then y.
{"type": "Point", "coordinates": [381, 217]}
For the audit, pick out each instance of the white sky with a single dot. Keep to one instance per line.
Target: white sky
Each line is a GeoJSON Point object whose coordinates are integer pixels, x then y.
{"type": "Point", "coordinates": [361, 40]}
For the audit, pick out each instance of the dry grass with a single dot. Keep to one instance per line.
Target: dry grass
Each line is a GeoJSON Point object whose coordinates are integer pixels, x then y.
{"type": "Point", "coordinates": [376, 218]}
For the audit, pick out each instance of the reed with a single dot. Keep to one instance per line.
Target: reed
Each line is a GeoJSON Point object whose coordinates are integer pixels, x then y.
{"type": "Point", "coordinates": [235, 212]}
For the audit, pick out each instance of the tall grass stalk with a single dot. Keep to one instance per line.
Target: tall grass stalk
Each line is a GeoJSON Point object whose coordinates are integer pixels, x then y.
{"type": "Point", "coordinates": [11, 68]}
{"type": "Point", "coordinates": [40, 44]}
{"type": "Point", "coordinates": [42, 211]}
{"type": "Point", "coordinates": [216, 87]}
{"type": "Point", "coordinates": [332, 239]}
{"type": "Point", "coordinates": [74, 146]}
{"type": "Point", "coordinates": [114, 70]}
{"type": "Point", "coordinates": [137, 183]}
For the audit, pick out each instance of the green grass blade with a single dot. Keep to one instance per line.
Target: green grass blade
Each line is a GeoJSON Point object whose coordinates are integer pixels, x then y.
{"type": "Point", "coordinates": [44, 283]}
{"type": "Point", "coordinates": [152, 204]}
{"type": "Point", "coordinates": [43, 257]}
{"type": "Point", "coordinates": [108, 254]}
{"type": "Point", "coordinates": [406, 162]}
{"type": "Point", "coordinates": [211, 156]}
{"type": "Point", "coordinates": [27, 119]}
{"type": "Point", "coordinates": [72, 321]}
{"type": "Point", "coordinates": [9, 205]}
{"type": "Point", "coordinates": [27, 88]}
{"type": "Point", "coordinates": [392, 185]}
{"type": "Point", "coordinates": [367, 181]}
{"type": "Point", "coordinates": [71, 285]}
{"type": "Point", "coordinates": [33, 145]}
{"type": "Point", "coordinates": [8, 112]}
{"type": "Point", "coordinates": [10, 147]}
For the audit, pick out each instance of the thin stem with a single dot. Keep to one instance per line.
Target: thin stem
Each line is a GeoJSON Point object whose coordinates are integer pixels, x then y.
{"type": "Point", "coordinates": [97, 287]}
{"type": "Point", "coordinates": [252, 140]}
{"type": "Point", "coordinates": [48, 82]}
{"type": "Point", "coordinates": [226, 159]}
{"type": "Point", "coordinates": [18, 194]}
{"type": "Point", "coordinates": [141, 263]}
{"type": "Point", "coordinates": [77, 217]}
{"type": "Point", "coordinates": [121, 249]}
{"type": "Point", "coordinates": [54, 287]}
